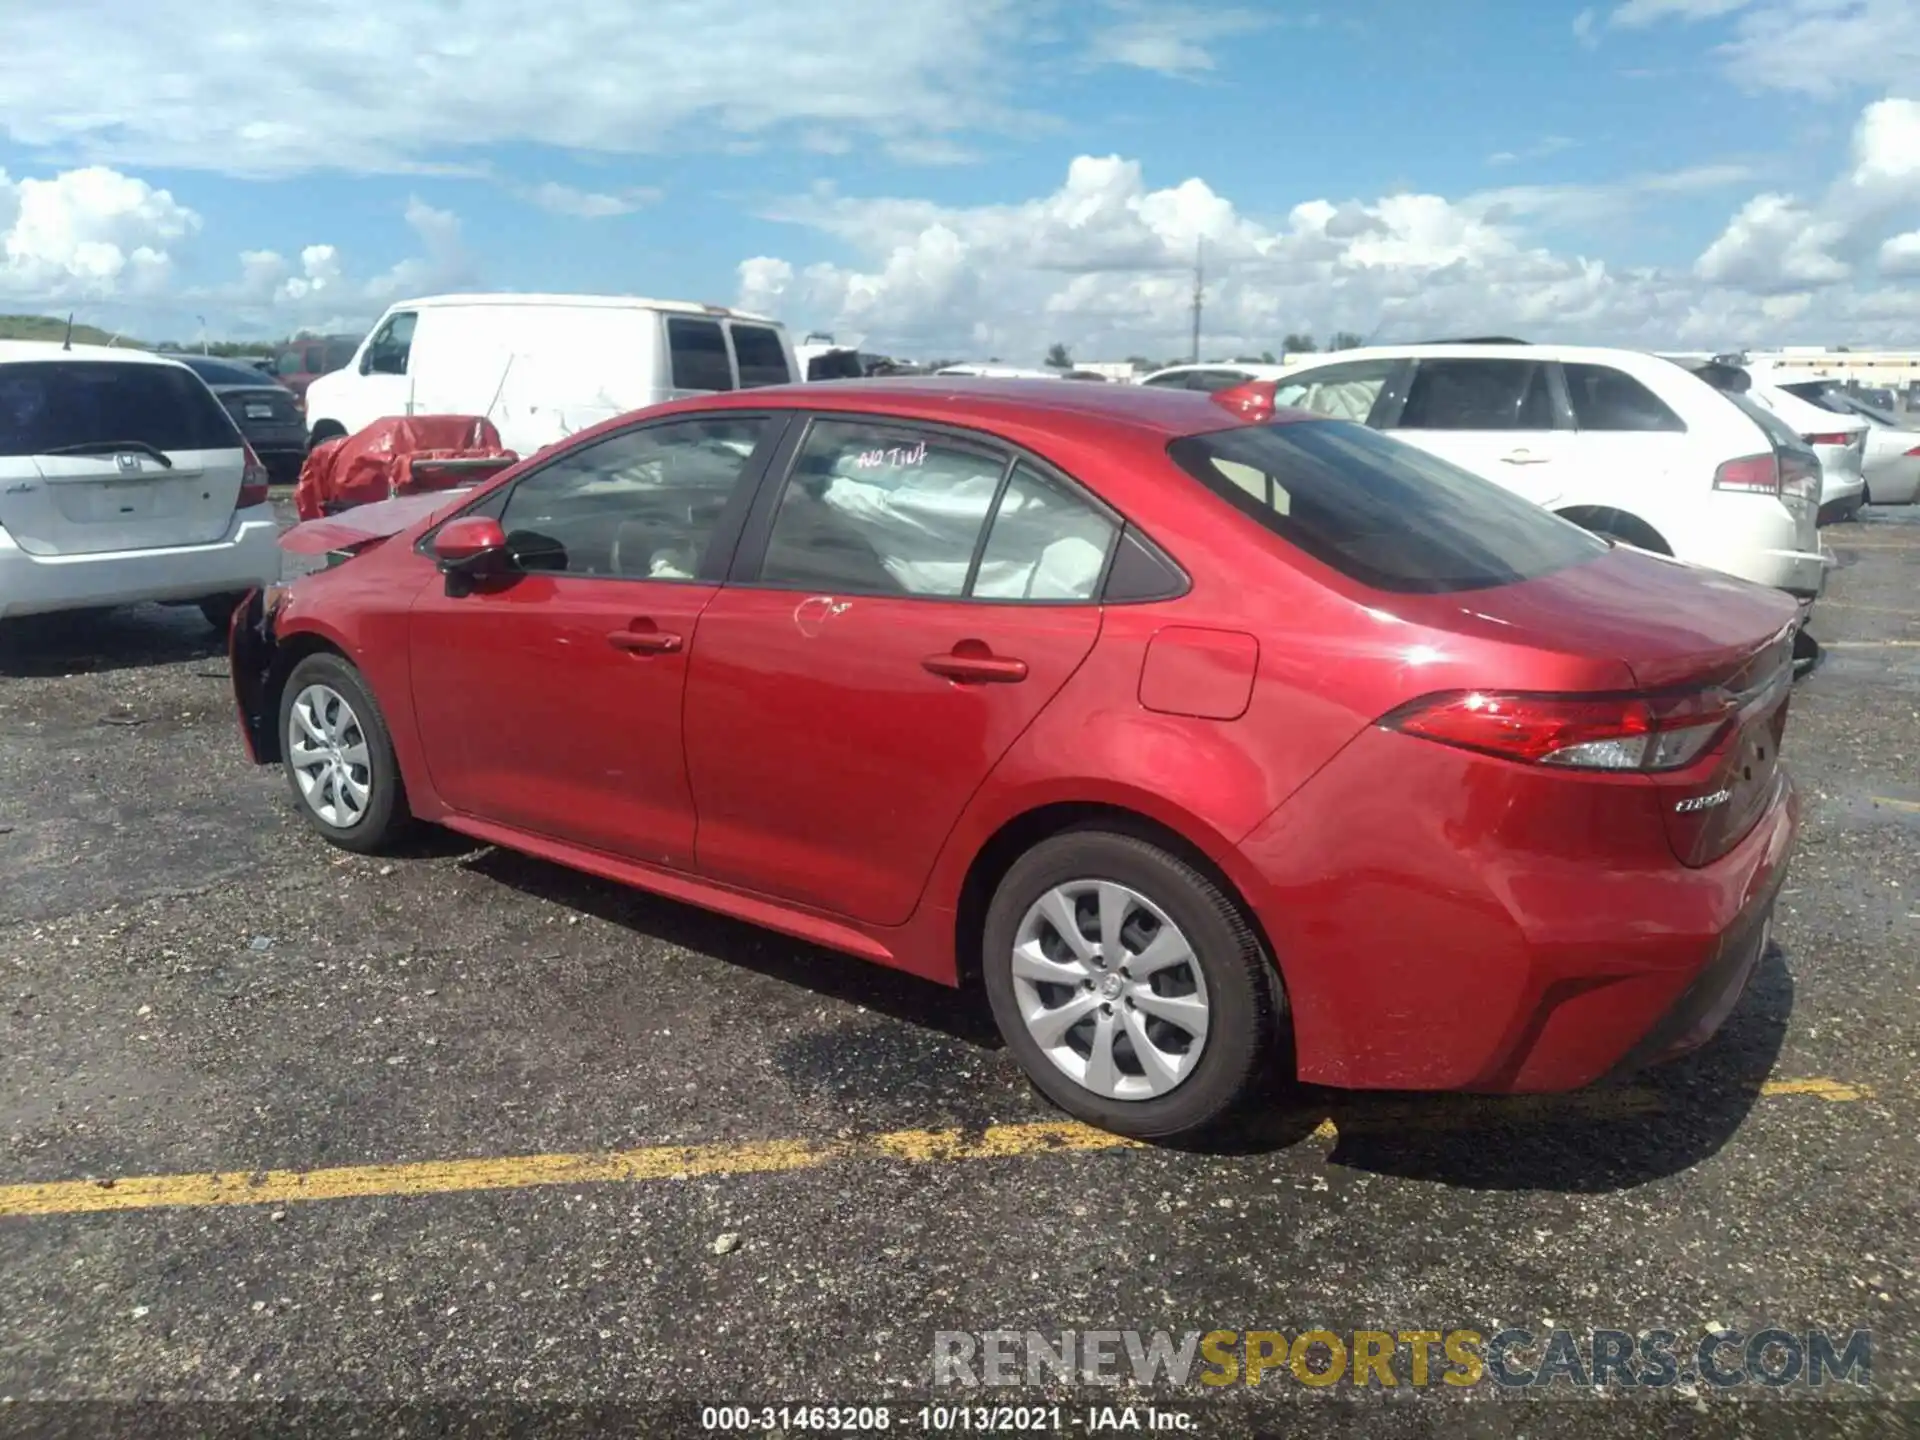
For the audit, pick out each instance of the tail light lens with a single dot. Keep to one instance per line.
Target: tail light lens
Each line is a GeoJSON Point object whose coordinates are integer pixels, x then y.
{"type": "Point", "coordinates": [1914, 454]}
{"type": "Point", "coordinates": [1751, 474]}
{"type": "Point", "coordinates": [1835, 437]}
{"type": "Point", "coordinates": [1799, 478]}
{"type": "Point", "coordinates": [1578, 732]}
{"type": "Point", "coordinates": [254, 481]}
{"type": "Point", "coordinates": [1252, 402]}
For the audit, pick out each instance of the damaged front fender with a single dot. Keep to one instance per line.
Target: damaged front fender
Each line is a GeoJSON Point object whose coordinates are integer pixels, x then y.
{"type": "Point", "coordinates": [253, 654]}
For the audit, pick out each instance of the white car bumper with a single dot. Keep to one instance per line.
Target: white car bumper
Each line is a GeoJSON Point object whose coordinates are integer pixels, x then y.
{"type": "Point", "coordinates": [1764, 542]}
{"type": "Point", "coordinates": [248, 556]}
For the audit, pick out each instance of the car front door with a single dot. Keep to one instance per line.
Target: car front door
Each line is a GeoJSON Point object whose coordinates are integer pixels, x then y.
{"type": "Point", "coordinates": [549, 699]}
{"type": "Point", "coordinates": [1496, 417]}
{"type": "Point", "coordinates": [384, 385]}
{"type": "Point", "coordinates": [908, 601]}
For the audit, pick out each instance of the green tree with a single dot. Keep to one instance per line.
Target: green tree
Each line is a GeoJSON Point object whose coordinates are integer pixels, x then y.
{"type": "Point", "coordinates": [1346, 340]}
{"type": "Point", "coordinates": [1298, 345]}
{"type": "Point", "coordinates": [1059, 357]}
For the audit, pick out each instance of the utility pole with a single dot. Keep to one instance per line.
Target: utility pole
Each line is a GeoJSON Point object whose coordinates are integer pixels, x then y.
{"type": "Point", "coordinates": [1198, 293]}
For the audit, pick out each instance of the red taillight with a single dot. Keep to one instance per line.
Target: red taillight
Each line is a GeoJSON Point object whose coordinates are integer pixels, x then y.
{"type": "Point", "coordinates": [1829, 438]}
{"type": "Point", "coordinates": [1581, 732]}
{"type": "Point", "coordinates": [254, 481]}
{"type": "Point", "coordinates": [1751, 474]}
{"type": "Point", "coordinates": [1252, 401]}
{"type": "Point", "coordinates": [1914, 454]}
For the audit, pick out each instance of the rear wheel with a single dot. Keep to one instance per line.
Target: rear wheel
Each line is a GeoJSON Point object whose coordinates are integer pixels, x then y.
{"type": "Point", "coordinates": [339, 756]}
{"type": "Point", "coordinates": [1129, 985]}
{"type": "Point", "coordinates": [323, 431]}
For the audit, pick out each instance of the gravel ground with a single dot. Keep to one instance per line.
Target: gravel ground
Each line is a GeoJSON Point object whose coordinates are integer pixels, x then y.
{"type": "Point", "coordinates": [191, 982]}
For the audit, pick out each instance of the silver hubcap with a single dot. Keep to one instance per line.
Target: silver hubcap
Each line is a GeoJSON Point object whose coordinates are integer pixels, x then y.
{"type": "Point", "coordinates": [1110, 989]}
{"type": "Point", "coordinates": [328, 753]}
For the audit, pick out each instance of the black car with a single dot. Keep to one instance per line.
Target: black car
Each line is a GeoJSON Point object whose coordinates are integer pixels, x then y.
{"type": "Point", "coordinates": [267, 413]}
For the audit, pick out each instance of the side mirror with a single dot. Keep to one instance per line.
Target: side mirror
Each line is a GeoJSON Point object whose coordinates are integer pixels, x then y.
{"type": "Point", "coordinates": [469, 543]}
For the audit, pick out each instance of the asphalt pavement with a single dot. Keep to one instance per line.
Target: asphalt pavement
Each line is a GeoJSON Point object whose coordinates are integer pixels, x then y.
{"type": "Point", "coordinates": [461, 1129]}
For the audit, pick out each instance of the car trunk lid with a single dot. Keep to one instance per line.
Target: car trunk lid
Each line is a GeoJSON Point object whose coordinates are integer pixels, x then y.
{"type": "Point", "coordinates": [99, 456]}
{"type": "Point", "coordinates": [1676, 630]}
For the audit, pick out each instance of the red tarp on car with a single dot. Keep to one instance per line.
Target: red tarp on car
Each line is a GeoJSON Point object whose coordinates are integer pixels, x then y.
{"type": "Point", "coordinates": [401, 455]}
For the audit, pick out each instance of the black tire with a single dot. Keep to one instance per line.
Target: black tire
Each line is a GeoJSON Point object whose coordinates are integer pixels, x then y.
{"type": "Point", "coordinates": [219, 610]}
{"type": "Point", "coordinates": [385, 817]}
{"type": "Point", "coordinates": [1245, 1000]}
{"type": "Point", "coordinates": [324, 431]}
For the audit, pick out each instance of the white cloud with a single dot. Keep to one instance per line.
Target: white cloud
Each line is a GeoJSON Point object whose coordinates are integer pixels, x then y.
{"type": "Point", "coordinates": [1900, 256]}
{"type": "Point", "coordinates": [1813, 47]}
{"type": "Point", "coordinates": [590, 204]}
{"type": "Point", "coordinates": [1177, 41]}
{"type": "Point", "coordinates": [1105, 263]}
{"type": "Point", "coordinates": [1583, 27]}
{"type": "Point", "coordinates": [88, 233]}
{"type": "Point", "coordinates": [418, 83]}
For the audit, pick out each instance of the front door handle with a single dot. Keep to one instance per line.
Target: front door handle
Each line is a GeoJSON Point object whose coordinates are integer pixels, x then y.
{"type": "Point", "coordinates": [976, 669]}
{"type": "Point", "coordinates": [644, 642]}
{"type": "Point", "coordinates": [1525, 457]}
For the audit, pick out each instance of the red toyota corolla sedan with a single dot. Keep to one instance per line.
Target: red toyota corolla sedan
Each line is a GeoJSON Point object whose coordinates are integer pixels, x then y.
{"type": "Point", "coordinates": [1192, 732]}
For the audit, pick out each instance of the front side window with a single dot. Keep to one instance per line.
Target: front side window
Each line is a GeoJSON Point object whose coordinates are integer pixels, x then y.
{"type": "Point", "coordinates": [761, 356]}
{"type": "Point", "coordinates": [1604, 398]}
{"type": "Point", "coordinates": [641, 505]}
{"type": "Point", "coordinates": [698, 349]}
{"type": "Point", "coordinates": [94, 408]}
{"type": "Point", "coordinates": [391, 345]}
{"type": "Point", "coordinates": [1339, 392]}
{"type": "Point", "coordinates": [1379, 511]}
{"type": "Point", "coordinates": [881, 510]}
{"type": "Point", "coordinates": [1478, 395]}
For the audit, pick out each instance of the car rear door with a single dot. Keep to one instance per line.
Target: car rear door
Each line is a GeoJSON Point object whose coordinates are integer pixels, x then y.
{"type": "Point", "coordinates": [1630, 451]}
{"type": "Point", "coordinates": [1494, 416]}
{"type": "Point", "coordinates": [100, 456]}
{"type": "Point", "coordinates": [549, 698]}
{"type": "Point", "coordinates": [906, 602]}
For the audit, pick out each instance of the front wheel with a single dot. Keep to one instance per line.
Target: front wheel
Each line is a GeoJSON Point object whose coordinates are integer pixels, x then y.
{"type": "Point", "coordinates": [339, 756]}
{"type": "Point", "coordinates": [1129, 985]}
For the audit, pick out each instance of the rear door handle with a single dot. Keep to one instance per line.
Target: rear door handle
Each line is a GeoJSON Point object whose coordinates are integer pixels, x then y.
{"type": "Point", "coordinates": [1524, 457]}
{"type": "Point", "coordinates": [644, 642]}
{"type": "Point", "coordinates": [977, 669]}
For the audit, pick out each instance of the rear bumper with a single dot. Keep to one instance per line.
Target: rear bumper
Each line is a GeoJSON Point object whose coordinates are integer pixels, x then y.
{"type": "Point", "coordinates": [246, 557]}
{"type": "Point", "coordinates": [1456, 934]}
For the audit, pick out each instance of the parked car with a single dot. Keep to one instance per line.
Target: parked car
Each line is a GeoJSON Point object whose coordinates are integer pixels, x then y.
{"type": "Point", "coordinates": [997, 372]}
{"type": "Point", "coordinates": [299, 363]}
{"type": "Point", "coordinates": [1213, 377]}
{"type": "Point", "coordinates": [265, 410]}
{"type": "Point", "coordinates": [1194, 732]}
{"type": "Point", "coordinates": [1891, 465]}
{"type": "Point", "coordinates": [544, 367]}
{"type": "Point", "coordinates": [122, 479]}
{"type": "Point", "coordinates": [1840, 440]}
{"type": "Point", "coordinates": [1626, 444]}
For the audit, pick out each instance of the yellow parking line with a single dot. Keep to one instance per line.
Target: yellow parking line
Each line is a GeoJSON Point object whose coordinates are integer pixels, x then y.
{"type": "Point", "coordinates": [755, 1157]}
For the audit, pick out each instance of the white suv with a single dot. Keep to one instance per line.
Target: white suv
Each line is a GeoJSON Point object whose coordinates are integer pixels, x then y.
{"type": "Point", "coordinates": [1626, 444]}
{"type": "Point", "coordinates": [122, 479]}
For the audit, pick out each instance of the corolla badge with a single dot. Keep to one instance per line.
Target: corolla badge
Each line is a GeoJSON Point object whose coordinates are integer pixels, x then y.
{"type": "Point", "coordinates": [1696, 803]}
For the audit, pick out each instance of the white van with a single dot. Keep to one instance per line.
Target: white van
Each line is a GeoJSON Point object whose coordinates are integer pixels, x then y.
{"type": "Point", "coordinates": [544, 367]}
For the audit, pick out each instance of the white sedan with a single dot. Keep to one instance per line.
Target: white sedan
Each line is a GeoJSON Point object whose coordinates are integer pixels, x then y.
{"type": "Point", "coordinates": [1892, 463]}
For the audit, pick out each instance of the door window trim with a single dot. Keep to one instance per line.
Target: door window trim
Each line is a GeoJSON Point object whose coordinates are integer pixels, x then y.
{"type": "Point", "coordinates": [751, 549]}
{"type": "Point", "coordinates": [718, 557]}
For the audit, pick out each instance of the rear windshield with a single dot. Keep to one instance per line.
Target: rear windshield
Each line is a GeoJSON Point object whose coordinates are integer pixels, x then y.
{"type": "Point", "coordinates": [224, 372]}
{"type": "Point", "coordinates": [50, 405]}
{"type": "Point", "coordinates": [1380, 511]}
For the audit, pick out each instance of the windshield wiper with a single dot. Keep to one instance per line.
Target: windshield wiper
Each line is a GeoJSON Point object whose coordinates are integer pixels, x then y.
{"type": "Point", "coordinates": [108, 447]}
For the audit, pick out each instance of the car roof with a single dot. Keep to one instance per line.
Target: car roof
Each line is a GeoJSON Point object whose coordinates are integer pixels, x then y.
{"type": "Point", "coordinates": [1044, 405]}
{"type": "Point", "coordinates": [19, 352]}
{"type": "Point", "coordinates": [585, 302]}
{"type": "Point", "coordinates": [1259, 369]}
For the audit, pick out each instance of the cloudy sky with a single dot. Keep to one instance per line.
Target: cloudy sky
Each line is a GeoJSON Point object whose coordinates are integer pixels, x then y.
{"type": "Point", "coordinates": [979, 177]}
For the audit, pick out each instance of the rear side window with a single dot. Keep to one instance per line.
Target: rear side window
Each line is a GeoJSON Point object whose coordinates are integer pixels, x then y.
{"type": "Point", "coordinates": [763, 359]}
{"type": "Point", "coordinates": [1478, 395]}
{"type": "Point", "coordinates": [1604, 398]}
{"type": "Point", "coordinates": [1380, 511]}
{"type": "Point", "coordinates": [46, 406]}
{"type": "Point", "coordinates": [699, 351]}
